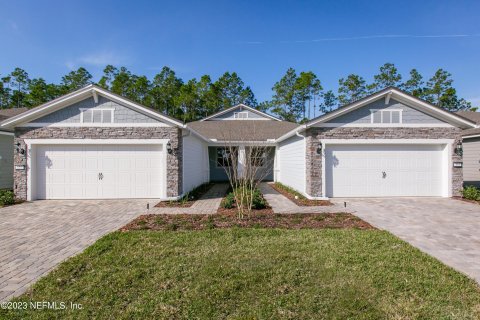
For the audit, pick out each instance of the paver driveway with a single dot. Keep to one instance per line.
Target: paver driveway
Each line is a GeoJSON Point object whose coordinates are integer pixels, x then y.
{"type": "Point", "coordinates": [35, 237]}
{"type": "Point", "coordinates": [445, 228]}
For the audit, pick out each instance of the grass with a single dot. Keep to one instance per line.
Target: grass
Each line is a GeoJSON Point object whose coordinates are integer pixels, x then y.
{"type": "Point", "coordinates": [254, 273]}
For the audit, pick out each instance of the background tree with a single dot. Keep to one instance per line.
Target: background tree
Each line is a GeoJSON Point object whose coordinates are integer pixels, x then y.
{"type": "Point", "coordinates": [308, 88]}
{"type": "Point", "coordinates": [286, 101]}
{"type": "Point", "coordinates": [231, 91]}
{"type": "Point", "coordinates": [109, 73]}
{"type": "Point", "coordinates": [39, 92]}
{"type": "Point", "coordinates": [329, 102]}
{"type": "Point", "coordinates": [388, 77]}
{"type": "Point", "coordinates": [18, 81]}
{"type": "Point", "coordinates": [75, 80]}
{"type": "Point", "coordinates": [351, 89]}
{"type": "Point", "coordinates": [414, 85]}
{"type": "Point", "coordinates": [165, 90]}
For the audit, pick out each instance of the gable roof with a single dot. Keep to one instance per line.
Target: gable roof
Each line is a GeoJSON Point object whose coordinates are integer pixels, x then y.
{"type": "Point", "coordinates": [81, 94]}
{"type": "Point", "coordinates": [470, 115]}
{"type": "Point", "coordinates": [401, 96]}
{"type": "Point", "coordinates": [244, 106]}
{"type": "Point", "coordinates": [8, 113]}
{"type": "Point", "coordinates": [243, 131]}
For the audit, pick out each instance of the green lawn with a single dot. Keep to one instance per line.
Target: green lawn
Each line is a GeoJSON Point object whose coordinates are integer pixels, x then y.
{"type": "Point", "coordinates": [255, 273]}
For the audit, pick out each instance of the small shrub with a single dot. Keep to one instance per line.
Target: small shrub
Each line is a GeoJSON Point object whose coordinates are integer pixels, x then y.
{"type": "Point", "coordinates": [471, 193]}
{"type": "Point", "coordinates": [258, 202]}
{"type": "Point", "coordinates": [7, 197]}
{"type": "Point", "coordinates": [229, 201]}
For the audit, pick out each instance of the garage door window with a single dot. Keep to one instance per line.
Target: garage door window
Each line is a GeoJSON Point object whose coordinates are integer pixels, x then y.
{"type": "Point", "coordinates": [96, 115]}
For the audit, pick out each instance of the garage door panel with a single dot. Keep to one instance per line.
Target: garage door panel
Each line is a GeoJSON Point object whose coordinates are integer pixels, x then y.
{"type": "Point", "coordinates": [358, 170]}
{"type": "Point", "coordinates": [98, 171]}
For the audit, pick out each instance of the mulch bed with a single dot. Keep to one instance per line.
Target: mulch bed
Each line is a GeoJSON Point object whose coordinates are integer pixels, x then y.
{"type": "Point", "coordinates": [256, 220]}
{"type": "Point", "coordinates": [303, 202]}
{"type": "Point", "coordinates": [467, 200]}
{"type": "Point", "coordinates": [184, 204]}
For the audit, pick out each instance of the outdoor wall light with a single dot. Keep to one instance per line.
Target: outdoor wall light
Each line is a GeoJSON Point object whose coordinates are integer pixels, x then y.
{"type": "Point", "coordinates": [319, 149]}
{"type": "Point", "coordinates": [20, 150]}
{"type": "Point", "coordinates": [459, 149]}
{"type": "Point", "coordinates": [169, 148]}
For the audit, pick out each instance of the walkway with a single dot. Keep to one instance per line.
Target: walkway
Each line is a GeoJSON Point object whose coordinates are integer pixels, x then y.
{"type": "Point", "coordinates": [37, 236]}
{"type": "Point", "coordinates": [207, 204]}
{"type": "Point", "coordinates": [447, 229]}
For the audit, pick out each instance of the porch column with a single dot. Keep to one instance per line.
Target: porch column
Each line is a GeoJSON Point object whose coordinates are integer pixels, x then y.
{"type": "Point", "coordinates": [241, 161]}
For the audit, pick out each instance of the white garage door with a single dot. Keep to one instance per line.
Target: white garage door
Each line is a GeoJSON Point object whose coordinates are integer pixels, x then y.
{"type": "Point", "coordinates": [98, 171]}
{"type": "Point", "coordinates": [383, 170]}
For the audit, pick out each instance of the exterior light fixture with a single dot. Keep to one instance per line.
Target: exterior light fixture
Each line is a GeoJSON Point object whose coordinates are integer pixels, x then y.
{"type": "Point", "coordinates": [459, 149]}
{"type": "Point", "coordinates": [20, 150]}
{"type": "Point", "coordinates": [169, 148]}
{"type": "Point", "coordinates": [319, 149]}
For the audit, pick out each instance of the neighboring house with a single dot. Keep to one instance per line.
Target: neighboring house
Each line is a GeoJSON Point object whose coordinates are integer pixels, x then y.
{"type": "Point", "coordinates": [93, 144]}
{"type": "Point", "coordinates": [471, 150]}
{"type": "Point", "coordinates": [6, 149]}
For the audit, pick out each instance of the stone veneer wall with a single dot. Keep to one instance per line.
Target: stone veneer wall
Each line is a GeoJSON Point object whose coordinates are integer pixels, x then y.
{"type": "Point", "coordinates": [316, 135]}
{"type": "Point", "coordinates": [174, 161]}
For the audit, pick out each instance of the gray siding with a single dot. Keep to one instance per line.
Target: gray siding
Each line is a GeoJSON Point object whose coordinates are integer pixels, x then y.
{"type": "Point", "coordinates": [409, 115]}
{"type": "Point", "coordinates": [71, 114]}
{"type": "Point", "coordinates": [216, 173]}
{"type": "Point", "coordinates": [471, 162]}
{"type": "Point", "coordinates": [6, 162]}
{"type": "Point", "coordinates": [230, 115]}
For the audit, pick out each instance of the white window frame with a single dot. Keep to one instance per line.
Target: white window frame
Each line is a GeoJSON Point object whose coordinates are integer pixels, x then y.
{"type": "Point", "coordinates": [83, 110]}
{"type": "Point", "coordinates": [236, 115]}
{"type": "Point", "coordinates": [400, 115]}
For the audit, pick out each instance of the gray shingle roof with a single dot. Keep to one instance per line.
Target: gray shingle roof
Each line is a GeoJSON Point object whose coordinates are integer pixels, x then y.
{"type": "Point", "coordinates": [470, 115]}
{"type": "Point", "coordinates": [242, 130]}
{"type": "Point", "coordinates": [8, 113]}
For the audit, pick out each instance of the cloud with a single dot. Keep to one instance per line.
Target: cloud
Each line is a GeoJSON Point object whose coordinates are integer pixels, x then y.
{"type": "Point", "coordinates": [370, 37]}
{"type": "Point", "coordinates": [96, 59]}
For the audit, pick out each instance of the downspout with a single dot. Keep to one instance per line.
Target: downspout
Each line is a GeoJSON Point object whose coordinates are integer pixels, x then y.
{"type": "Point", "coordinates": [297, 133]}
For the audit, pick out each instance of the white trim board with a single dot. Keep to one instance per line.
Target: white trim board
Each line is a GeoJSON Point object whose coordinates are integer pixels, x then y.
{"type": "Point", "coordinates": [6, 133]}
{"type": "Point", "coordinates": [96, 141]}
{"type": "Point", "coordinates": [78, 124]}
{"type": "Point", "coordinates": [384, 125]}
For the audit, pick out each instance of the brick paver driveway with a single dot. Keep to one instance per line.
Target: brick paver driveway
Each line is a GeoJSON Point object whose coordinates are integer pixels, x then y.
{"type": "Point", "coordinates": [37, 236]}
{"type": "Point", "coordinates": [447, 229]}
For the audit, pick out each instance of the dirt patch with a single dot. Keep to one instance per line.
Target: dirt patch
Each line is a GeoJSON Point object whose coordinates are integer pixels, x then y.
{"type": "Point", "coordinates": [301, 201]}
{"type": "Point", "coordinates": [188, 200]}
{"type": "Point", "coordinates": [257, 220]}
{"type": "Point", "coordinates": [467, 200]}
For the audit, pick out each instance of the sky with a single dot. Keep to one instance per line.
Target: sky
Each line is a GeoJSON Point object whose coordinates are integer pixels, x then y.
{"type": "Point", "coordinates": [259, 40]}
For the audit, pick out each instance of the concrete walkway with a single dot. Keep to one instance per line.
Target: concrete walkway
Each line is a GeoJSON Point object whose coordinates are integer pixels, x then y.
{"type": "Point", "coordinates": [35, 237]}
{"type": "Point", "coordinates": [447, 229]}
{"type": "Point", "coordinates": [207, 204]}
{"type": "Point", "coordinates": [281, 204]}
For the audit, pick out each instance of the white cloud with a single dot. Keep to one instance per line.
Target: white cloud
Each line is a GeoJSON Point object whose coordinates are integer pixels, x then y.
{"type": "Point", "coordinates": [97, 59]}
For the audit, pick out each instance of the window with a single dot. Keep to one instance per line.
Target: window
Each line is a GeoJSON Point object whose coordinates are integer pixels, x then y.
{"type": "Point", "coordinates": [258, 157]}
{"type": "Point", "coordinates": [96, 115]}
{"type": "Point", "coordinates": [386, 116]}
{"type": "Point", "coordinates": [240, 115]}
{"type": "Point", "coordinates": [225, 157]}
